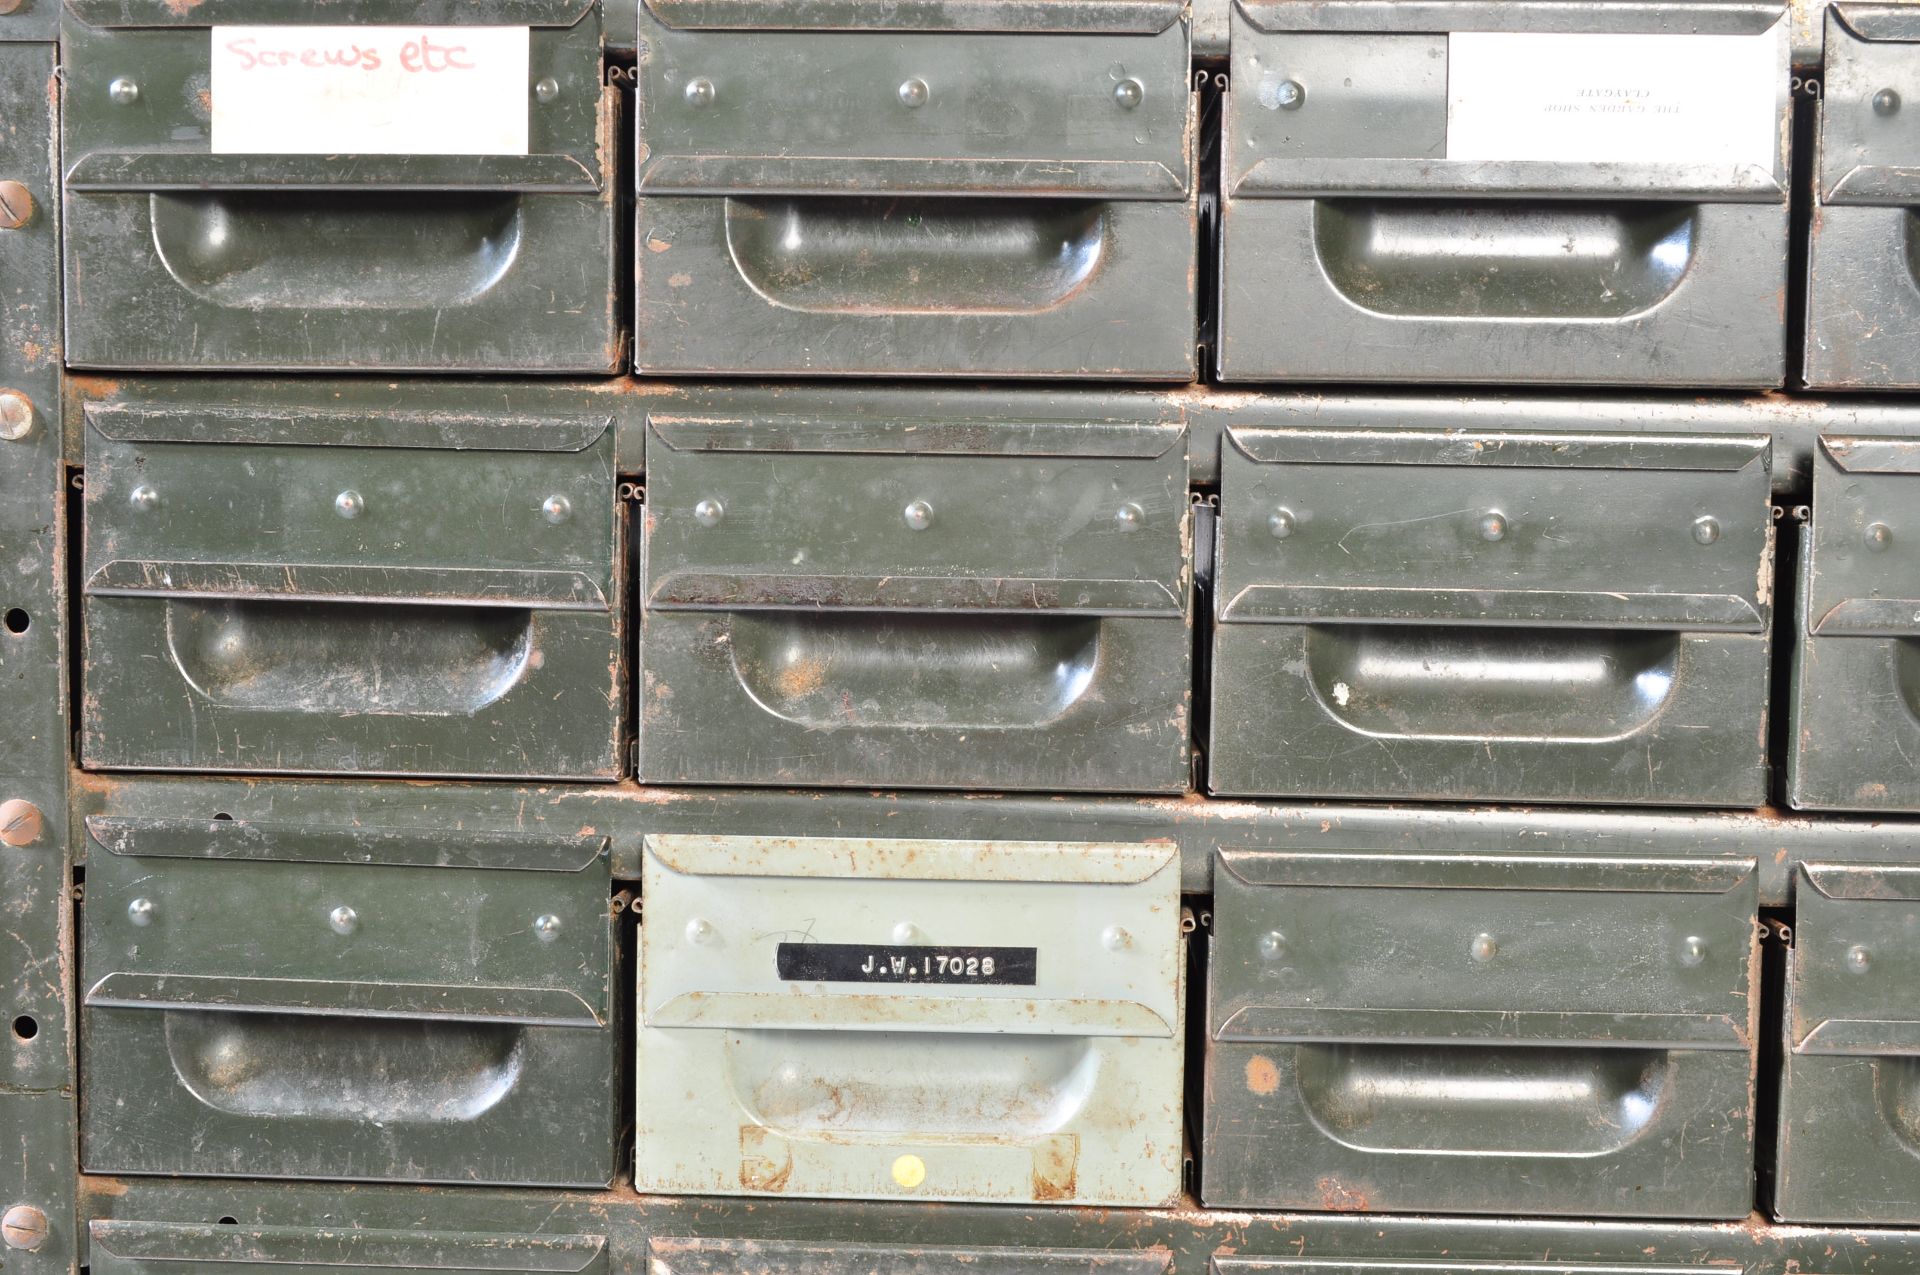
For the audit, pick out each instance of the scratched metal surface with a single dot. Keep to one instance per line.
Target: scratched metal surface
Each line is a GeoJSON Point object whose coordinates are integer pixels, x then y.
{"type": "Point", "coordinates": [179, 259]}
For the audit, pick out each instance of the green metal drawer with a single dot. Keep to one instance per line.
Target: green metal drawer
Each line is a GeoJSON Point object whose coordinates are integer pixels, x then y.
{"type": "Point", "coordinates": [1481, 1033]}
{"type": "Point", "coordinates": [299, 1000]}
{"type": "Point", "coordinates": [1849, 1129]}
{"type": "Point", "coordinates": [403, 591]}
{"type": "Point", "coordinates": [161, 1248]}
{"type": "Point", "coordinates": [1492, 614]}
{"type": "Point", "coordinates": [910, 602]}
{"type": "Point", "coordinates": [953, 189]}
{"type": "Point", "coordinates": [1856, 685]}
{"type": "Point", "coordinates": [181, 258]}
{"type": "Point", "coordinates": [918, 1019]}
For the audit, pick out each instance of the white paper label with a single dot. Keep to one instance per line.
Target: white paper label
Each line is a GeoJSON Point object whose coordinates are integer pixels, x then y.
{"type": "Point", "coordinates": [1708, 99]}
{"type": "Point", "coordinates": [368, 90]}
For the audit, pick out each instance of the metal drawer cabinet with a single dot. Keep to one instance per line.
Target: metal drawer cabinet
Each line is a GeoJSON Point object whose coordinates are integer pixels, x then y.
{"type": "Point", "coordinates": [954, 1020]}
{"type": "Point", "coordinates": [129, 1247]}
{"type": "Point", "coordinates": [1482, 1033]}
{"type": "Point", "coordinates": [953, 188]}
{"type": "Point", "coordinates": [391, 591]}
{"type": "Point", "coordinates": [301, 1000]}
{"type": "Point", "coordinates": [1863, 285]}
{"type": "Point", "coordinates": [1475, 190]}
{"type": "Point", "coordinates": [409, 216]}
{"type": "Point", "coordinates": [1856, 678]}
{"type": "Point", "coordinates": [917, 602]}
{"type": "Point", "coordinates": [1849, 1128]}
{"type": "Point", "coordinates": [1492, 615]}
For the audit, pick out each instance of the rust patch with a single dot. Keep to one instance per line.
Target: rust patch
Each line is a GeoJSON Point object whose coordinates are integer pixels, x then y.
{"type": "Point", "coordinates": [1056, 1167]}
{"type": "Point", "coordinates": [758, 1170]}
{"type": "Point", "coordinates": [1263, 1077]}
{"type": "Point", "coordinates": [1337, 1197]}
{"type": "Point", "coordinates": [802, 677]}
{"type": "Point", "coordinates": [181, 8]}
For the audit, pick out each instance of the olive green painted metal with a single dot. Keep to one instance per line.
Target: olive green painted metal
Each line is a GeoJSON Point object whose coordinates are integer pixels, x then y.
{"type": "Point", "coordinates": [918, 1018]}
{"type": "Point", "coordinates": [1503, 615]}
{"type": "Point", "coordinates": [919, 601]}
{"type": "Point", "coordinates": [1576, 1033]}
{"type": "Point", "coordinates": [1863, 293]}
{"type": "Point", "coordinates": [39, 1231]}
{"type": "Point", "coordinates": [1354, 248]}
{"type": "Point", "coordinates": [405, 590]}
{"type": "Point", "coordinates": [628, 814]}
{"type": "Point", "coordinates": [181, 259]}
{"type": "Point", "coordinates": [937, 188]}
{"type": "Point", "coordinates": [1850, 1068]}
{"type": "Point", "coordinates": [1856, 684]}
{"type": "Point", "coordinates": [152, 1248]}
{"type": "Point", "coordinates": [34, 20]}
{"type": "Point", "coordinates": [320, 1000]}
{"type": "Point", "coordinates": [681, 1236]}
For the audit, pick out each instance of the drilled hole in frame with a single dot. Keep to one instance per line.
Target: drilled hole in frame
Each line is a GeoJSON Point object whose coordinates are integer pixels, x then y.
{"type": "Point", "coordinates": [25, 1027]}
{"type": "Point", "coordinates": [18, 621]}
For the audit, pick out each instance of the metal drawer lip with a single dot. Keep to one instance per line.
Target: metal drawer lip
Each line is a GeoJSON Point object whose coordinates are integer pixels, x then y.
{"type": "Point", "coordinates": [320, 427]}
{"type": "Point", "coordinates": [1382, 16]}
{"type": "Point", "coordinates": [1139, 17]}
{"type": "Point", "coordinates": [362, 846]}
{"type": "Point", "coordinates": [323, 1246]}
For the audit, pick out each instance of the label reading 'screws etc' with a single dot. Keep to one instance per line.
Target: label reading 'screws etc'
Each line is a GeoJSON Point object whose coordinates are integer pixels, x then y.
{"type": "Point", "coordinates": [893, 963]}
{"type": "Point", "coordinates": [370, 90]}
{"type": "Point", "coordinates": [1614, 98]}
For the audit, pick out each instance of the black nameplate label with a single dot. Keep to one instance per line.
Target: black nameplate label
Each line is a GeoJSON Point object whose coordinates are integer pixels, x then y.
{"type": "Point", "coordinates": [892, 963]}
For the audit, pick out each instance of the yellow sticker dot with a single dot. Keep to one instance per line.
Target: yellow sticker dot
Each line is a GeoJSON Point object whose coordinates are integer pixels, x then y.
{"type": "Point", "coordinates": [909, 1171]}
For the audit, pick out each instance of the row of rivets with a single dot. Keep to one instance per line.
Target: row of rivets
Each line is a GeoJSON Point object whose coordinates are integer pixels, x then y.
{"type": "Point", "coordinates": [913, 93]}
{"type": "Point", "coordinates": [125, 90]}
{"type": "Point", "coordinates": [917, 514]}
{"type": "Point", "coordinates": [351, 504]}
{"type": "Point", "coordinates": [1493, 526]}
{"type": "Point", "coordinates": [343, 920]}
{"type": "Point", "coordinates": [1484, 947]}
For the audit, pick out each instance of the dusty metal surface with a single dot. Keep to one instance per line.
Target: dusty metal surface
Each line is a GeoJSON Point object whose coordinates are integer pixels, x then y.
{"type": "Point", "coordinates": [935, 1020]}
{"type": "Point", "coordinates": [329, 590]}
{"type": "Point", "coordinates": [178, 258]}
{"type": "Point", "coordinates": [1453, 615]}
{"type": "Point", "coordinates": [927, 602]}
{"type": "Point", "coordinates": [951, 190]}
{"type": "Point", "coordinates": [296, 1000]}
{"type": "Point", "coordinates": [1855, 698]}
{"type": "Point", "coordinates": [1576, 1033]}
{"type": "Point", "coordinates": [1341, 211]}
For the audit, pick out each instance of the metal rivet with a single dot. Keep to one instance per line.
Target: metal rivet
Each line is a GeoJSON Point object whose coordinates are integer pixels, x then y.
{"type": "Point", "coordinates": [1858, 959]}
{"type": "Point", "coordinates": [23, 1227]}
{"type": "Point", "coordinates": [909, 1171]}
{"type": "Point", "coordinates": [1706, 530]}
{"type": "Point", "coordinates": [1273, 945]}
{"type": "Point", "coordinates": [348, 504]}
{"type": "Point", "coordinates": [140, 911]}
{"type": "Point", "coordinates": [144, 498]}
{"type": "Point", "coordinates": [1693, 950]}
{"type": "Point", "coordinates": [1115, 939]}
{"type": "Point", "coordinates": [700, 91]}
{"type": "Point", "coordinates": [708, 513]}
{"type": "Point", "coordinates": [919, 515]}
{"type": "Point", "coordinates": [16, 205]}
{"type": "Point", "coordinates": [546, 927]}
{"type": "Point", "coordinates": [546, 90]}
{"type": "Point", "coordinates": [16, 415]}
{"type": "Point", "coordinates": [1879, 537]}
{"type": "Point", "coordinates": [1494, 526]}
{"type": "Point", "coordinates": [556, 509]}
{"type": "Point", "coordinates": [1291, 95]}
{"type": "Point", "coordinates": [699, 931]}
{"type": "Point", "coordinates": [1886, 102]}
{"type": "Point", "coordinates": [343, 920]}
{"type": "Point", "coordinates": [124, 91]}
{"type": "Point", "coordinates": [1280, 523]}
{"type": "Point", "coordinates": [1129, 94]}
{"type": "Point", "coordinates": [1483, 948]}
{"type": "Point", "coordinates": [905, 933]}
{"type": "Point", "coordinates": [914, 92]}
{"type": "Point", "coordinates": [20, 822]}
{"type": "Point", "coordinates": [1130, 516]}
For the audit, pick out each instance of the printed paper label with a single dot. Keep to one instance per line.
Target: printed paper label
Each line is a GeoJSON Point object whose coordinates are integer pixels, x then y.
{"type": "Point", "coordinates": [1701, 99]}
{"type": "Point", "coordinates": [370, 90]}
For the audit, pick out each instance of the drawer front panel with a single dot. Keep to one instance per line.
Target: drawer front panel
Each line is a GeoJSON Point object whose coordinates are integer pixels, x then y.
{"type": "Point", "coordinates": [292, 1001]}
{"type": "Point", "coordinates": [920, 1019]}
